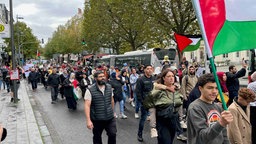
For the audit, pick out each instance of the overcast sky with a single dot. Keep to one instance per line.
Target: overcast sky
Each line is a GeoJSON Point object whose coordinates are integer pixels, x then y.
{"type": "Point", "coordinates": [44, 16]}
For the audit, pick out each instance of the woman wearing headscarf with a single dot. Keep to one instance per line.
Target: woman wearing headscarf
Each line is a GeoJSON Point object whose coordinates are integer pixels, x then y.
{"type": "Point", "coordinates": [69, 85]}
{"type": "Point", "coordinates": [223, 78]}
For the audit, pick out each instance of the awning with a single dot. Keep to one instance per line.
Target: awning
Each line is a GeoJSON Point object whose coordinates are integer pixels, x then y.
{"type": "Point", "coordinates": [88, 56]}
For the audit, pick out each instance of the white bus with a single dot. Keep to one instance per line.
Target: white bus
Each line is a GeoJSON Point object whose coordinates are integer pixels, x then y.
{"type": "Point", "coordinates": [152, 57]}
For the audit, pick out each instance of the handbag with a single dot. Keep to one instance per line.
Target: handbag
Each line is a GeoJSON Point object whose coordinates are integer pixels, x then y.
{"type": "Point", "coordinates": [168, 112]}
{"type": "Point", "coordinates": [226, 98]}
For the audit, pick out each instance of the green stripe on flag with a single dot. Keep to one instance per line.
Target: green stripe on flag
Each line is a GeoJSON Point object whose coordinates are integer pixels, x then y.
{"type": "Point", "coordinates": [193, 46]}
{"type": "Point", "coordinates": [235, 36]}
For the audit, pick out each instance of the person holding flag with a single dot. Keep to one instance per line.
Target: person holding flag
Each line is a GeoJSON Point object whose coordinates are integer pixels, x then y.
{"type": "Point", "coordinates": [206, 120]}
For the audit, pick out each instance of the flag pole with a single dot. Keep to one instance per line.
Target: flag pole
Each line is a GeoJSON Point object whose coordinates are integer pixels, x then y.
{"type": "Point", "coordinates": [208, 50]}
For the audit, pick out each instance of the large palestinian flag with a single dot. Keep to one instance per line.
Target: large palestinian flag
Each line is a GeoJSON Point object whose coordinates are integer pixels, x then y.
{"type": "Point", "coordinates": [228, 25]}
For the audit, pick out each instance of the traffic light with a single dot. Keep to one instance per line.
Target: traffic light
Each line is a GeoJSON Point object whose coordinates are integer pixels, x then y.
{"type": "Point", "coordinates": [83, 42]}
{"type": "Point", "coordinates": [42, 41]}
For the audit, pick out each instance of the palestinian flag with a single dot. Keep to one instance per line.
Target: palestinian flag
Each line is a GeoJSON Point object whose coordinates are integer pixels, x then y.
{"type": "Point", "coordinates": [38, 53]}
{"type": "Point", "coordinates": [227, 25]}
{"type": "Point", "coordinates": [186, 43]}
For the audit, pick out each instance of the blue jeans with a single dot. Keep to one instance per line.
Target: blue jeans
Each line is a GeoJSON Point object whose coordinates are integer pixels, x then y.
{"type": "Point", "coordinates": [1, 82]}
{"type": "Point", "coordinates": [54, 93]}
{"type": "Point", "coordinates": [144, 114]}
{"type": "Point", "coordinates": [137, 103]}
{"type": "Point", "coordinates": [121, 104]}
{"type": "Point", "coordinates": [125, 94]}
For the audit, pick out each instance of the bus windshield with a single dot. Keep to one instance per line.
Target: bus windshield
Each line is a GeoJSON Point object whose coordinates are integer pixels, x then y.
{"type": "Point", "coordinates": [160, 53]}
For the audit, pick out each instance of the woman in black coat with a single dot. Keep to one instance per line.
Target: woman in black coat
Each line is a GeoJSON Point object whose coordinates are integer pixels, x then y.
{"type": "Point", "coordinates": [69, 92]}
{"type": "Point", "coordinates": [117, 84]}
{"type": "Point", "coordinates": [85, 82]}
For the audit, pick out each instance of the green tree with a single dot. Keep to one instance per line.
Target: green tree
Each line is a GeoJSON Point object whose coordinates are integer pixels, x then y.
{"type": "Point", "coordinates": [24, 38]}
{"type": "Point", "coordinates": [66, 39]}
{"type": "Point", "coordinates": [111, 24]}
{"type": "Point", "coordinates": [174, 16]}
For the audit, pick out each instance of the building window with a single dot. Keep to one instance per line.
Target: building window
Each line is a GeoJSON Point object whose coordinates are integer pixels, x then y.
{"type": "Point", "coordinates": [225, 55]}
{"type": "Point", "coordinates": [237, 54]}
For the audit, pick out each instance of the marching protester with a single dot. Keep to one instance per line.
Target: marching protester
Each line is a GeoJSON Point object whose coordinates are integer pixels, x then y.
{"type": "Point", "coordinates": [143, 87]}
{"type": "Point", "coordinates": [33, 78]}
{"type": "Point", "coordinates": [207, 121]}
{"type": "Point", "coordinates": [117, 84]}
{"type": "Point", "coordinates": [133, 79]}
{"type": "Point", "coordinates": [240, 130]}
{"type": "Point", "coordinates": [233, 82]}
{"type": "Point", "coordinates": [69, 84]}
{"type": "Point", "coordinates": [54, 82]}
{"type": "Point", "coordinates": [85, 82]}
{"type": "Point", "coordinates": [98, 107]}
{"type": "Point", "coordinates": [167, 105]}
{"type": "Point", "coordinates": [63, 77]}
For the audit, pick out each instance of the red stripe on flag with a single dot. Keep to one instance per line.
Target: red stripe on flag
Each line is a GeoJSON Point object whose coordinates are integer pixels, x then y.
{"type": "Point", "coordinates": [214, 16]}
{"type": "Point", "coordinates": [182, 41]}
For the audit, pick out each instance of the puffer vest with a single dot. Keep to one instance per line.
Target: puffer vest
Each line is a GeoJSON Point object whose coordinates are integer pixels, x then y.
{"type": "Point", "coordinates": [101, 108]}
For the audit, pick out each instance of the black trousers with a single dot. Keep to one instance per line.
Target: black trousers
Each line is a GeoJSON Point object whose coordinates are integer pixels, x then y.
{"type": "Point", "coordinates": [166, 129]}
{"type": "Point", "coordinates": [109, 126]}
{"type": "Point", "coordinates": [253, 123]}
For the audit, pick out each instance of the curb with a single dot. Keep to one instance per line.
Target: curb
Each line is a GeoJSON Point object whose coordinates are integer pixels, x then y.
{"type": "Point", "coordinates": [45, 134]}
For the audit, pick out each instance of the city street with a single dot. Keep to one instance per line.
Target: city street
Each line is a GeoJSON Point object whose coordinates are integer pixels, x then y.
{"type": "Point", "coordinates": [68, 127]}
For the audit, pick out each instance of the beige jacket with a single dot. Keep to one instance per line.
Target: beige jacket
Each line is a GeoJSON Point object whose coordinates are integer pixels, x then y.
{"type": "Point", "coordinates": [188, 85]}
{"type": "Point", "coordinates": [239, 131]}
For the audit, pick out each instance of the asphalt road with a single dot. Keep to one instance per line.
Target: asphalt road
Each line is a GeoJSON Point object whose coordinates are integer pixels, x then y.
{"type": "Point", "coordinates": [69, 127]}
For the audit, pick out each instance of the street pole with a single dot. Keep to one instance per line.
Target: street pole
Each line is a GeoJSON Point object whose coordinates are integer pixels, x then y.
{"type": "Point", "coordinates": [15, 94]}
{"type": "Point", "coordinates": [17, 20]}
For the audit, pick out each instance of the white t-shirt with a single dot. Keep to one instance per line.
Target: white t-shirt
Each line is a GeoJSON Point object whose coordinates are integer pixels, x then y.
{"type": "Point", "coordinates": [88, 95]}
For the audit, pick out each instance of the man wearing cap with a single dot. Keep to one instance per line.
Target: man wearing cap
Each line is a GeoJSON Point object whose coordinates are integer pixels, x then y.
{"type": "Point", "coordinates": [98, 107]}
{"type": "Point", "coordinates": [252, 86]}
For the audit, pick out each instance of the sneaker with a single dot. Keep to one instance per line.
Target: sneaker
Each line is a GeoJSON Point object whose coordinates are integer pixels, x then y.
{"type": "Point", "coordinates": [136, 115]}
{"type": "Point", "coordinates": [133, 105]}
{"type": "Point", "coordinates": [182, 137]}
{"type": "Point", "coordinates": [53, 102]}
{"type": "Point", "coordinates": [123, 116]}
{"type": "Point", "coordinates": [139, 137]}
{"type": "Point", "coordinates": [183, 124]}
{"type": "Point", "coordinates": [153, 132]}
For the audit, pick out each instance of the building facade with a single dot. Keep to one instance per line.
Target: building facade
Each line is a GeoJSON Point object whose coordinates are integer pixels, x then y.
{"type": "Point", "coordinates": [225, 59]}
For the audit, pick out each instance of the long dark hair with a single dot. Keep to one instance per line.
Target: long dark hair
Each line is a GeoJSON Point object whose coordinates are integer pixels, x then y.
{"type": "Point", "coordinates": [160, 80]}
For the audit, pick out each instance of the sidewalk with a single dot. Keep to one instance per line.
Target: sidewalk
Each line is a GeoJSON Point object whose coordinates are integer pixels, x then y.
{"type": "Point", "coordinates": [19, 119]}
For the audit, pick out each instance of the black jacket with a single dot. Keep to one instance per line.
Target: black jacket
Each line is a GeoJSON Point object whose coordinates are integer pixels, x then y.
{"type": "Point", "coordinates": [117, 86]}
{"type": "Point", "coordinates": [84, 85]}
{"type": "Point", "coordinates": [68, 90]}
{"type": "Point", "coordinates": [232, 80]}
{"type": "Point", "coordinates": [143, 86]}
{"type": "Point", "coordinates": [53, 80]}
{"type": "Point", "coordinates": [33, 76]}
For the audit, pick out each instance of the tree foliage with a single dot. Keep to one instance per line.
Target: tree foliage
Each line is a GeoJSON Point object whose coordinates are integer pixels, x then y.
{"type": "Point", "coordinates": [124, 25]}
{"type": "Point", "coordinates": [24, 38]}
{"type": "Point", "coordinates": [66, 39]}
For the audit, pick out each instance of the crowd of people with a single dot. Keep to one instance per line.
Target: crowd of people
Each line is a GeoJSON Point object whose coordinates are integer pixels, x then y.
{"type": "Point", "coordinates": [172, 99]}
